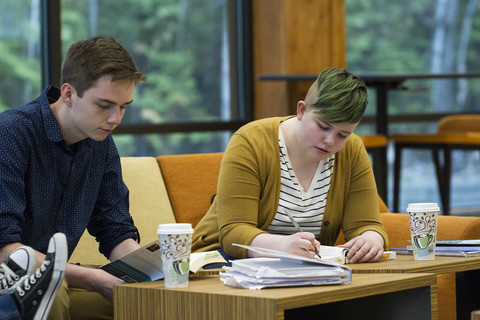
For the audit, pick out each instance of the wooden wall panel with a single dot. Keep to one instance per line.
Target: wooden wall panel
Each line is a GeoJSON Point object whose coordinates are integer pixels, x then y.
{"type": "Point", "coordinates": [269, 56]}
{"type": "Point", "coordinates": [294, 37]}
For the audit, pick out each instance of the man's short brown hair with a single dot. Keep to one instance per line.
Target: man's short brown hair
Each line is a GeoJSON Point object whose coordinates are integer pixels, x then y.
{"type": "Point", "coordinates": [88, 60]}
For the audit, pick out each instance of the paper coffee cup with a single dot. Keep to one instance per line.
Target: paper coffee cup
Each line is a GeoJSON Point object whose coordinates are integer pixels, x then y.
{"type": "Point", "coordinates": [175, 246]}
{"type": "Point", "coordinates": [423, 219]}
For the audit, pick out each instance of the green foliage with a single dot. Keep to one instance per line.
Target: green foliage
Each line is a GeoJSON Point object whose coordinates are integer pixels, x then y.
{"type": "Point", "coordinates": [388, 36]}
{"type": "Point", "coordinates": [19, 62]}
{"type": "Point", "coordinates": [176, 44]}
{"type": "Point", "coordinates": [396, 37]}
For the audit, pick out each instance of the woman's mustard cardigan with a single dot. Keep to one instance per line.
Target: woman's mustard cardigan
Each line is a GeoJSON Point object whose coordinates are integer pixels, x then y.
{"type": "Point", "coordinates": [248, 192]}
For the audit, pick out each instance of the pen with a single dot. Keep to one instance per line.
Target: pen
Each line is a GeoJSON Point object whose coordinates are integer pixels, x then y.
{"type": "Point", "coordinates": [300, 229]}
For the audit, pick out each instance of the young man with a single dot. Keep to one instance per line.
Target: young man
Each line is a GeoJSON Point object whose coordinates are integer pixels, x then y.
{"type": "Point", "coordinates": [60, 170]}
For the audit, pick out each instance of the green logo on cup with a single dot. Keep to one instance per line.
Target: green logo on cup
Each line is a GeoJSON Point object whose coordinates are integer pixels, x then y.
{"type": "Point", "coordinates": [423, 241]}
{"type": "Point", "coordinates": [182, 266]}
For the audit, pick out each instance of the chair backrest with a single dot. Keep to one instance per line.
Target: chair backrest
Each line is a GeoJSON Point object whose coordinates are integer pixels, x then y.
{"type": "Point", "coordinates": [459, 123]}
{"type": "Point", "coordinates": [191, 182]}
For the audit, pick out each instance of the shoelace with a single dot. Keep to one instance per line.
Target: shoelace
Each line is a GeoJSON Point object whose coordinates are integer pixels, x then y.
{"type": "Point", "coordinates": [31, 280]}
{"type": "Point", "coordinates": [7, 277]}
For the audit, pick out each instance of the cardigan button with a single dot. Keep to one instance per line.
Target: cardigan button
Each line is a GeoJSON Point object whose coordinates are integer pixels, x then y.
{"type": "Point", "coordinates": [326, 223]}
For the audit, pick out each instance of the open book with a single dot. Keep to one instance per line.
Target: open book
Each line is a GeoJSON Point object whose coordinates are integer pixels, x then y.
{"type": "Point", "coordinates": [279, 269]}
{"type": "Point", "coordinates": [339, 254]}
{"type": "Point", "coordinates": [335, 254]}
{"type": "Point", "coordinates": [145, 263]}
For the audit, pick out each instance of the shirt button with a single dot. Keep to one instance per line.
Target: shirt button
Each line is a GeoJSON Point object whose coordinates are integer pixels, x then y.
{"type": "Point", "coordinates": [326, 223]}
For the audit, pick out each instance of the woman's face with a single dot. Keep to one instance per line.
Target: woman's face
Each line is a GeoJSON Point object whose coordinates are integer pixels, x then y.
{"type": "Point", "coordinates": [318, 139]}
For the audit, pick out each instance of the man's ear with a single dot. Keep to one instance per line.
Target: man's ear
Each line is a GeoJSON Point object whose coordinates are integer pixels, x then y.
{"type": "Point", "coordinates": [301, 108]}
{"type": "Point", "coordinates": [67, 91]}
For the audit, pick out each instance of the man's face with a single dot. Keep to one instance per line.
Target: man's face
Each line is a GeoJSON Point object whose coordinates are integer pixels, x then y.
{"type": "Point", "coordinates": [99, 111]}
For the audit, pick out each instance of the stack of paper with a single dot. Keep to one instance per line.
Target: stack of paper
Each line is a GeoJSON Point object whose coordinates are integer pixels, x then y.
{"type": "Point", "coordinates": [459, 243]}
{"type": "Point", "coordinates": [463, 248]}
{"type": "Point", "coordinates": [282, 269]}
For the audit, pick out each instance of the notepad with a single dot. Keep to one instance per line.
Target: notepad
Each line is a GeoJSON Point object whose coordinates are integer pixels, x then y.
{"type": "Point", "coordinates": [335, 254]}
{"type": "Point", "coordinates": [444, 251]}
{"type": "Point", "coordinates": [339, 254]}
{"type": "Point", "coordinates": [470, 244]}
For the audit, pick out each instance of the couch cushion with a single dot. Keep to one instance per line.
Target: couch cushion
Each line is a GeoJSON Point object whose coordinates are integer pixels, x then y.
{"type": "Point", "coordinates": [149, 206]}
{"type": "Point", "coordinates": [191, 181]}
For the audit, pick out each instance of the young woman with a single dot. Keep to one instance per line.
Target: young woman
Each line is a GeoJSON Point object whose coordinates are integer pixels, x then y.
{"type": "Point", "coordinates": [310, 166]}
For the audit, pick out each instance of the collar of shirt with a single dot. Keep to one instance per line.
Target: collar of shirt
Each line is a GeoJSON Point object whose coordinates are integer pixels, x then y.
{"type": "Point", "coordinates": [52, 128]}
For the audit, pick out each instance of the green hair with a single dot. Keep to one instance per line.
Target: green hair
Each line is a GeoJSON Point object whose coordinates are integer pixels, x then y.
{"type": "Point", "coordinates": [338, 96]}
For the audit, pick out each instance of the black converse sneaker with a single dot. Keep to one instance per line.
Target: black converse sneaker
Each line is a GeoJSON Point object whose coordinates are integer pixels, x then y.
{"type": "Point", "coordinates": [35, 295]}
{"type": "Point", "coordinates": [20, 263]}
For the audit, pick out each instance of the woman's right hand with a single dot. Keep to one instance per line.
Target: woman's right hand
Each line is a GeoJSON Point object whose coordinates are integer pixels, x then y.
{"type": "Point", "coordinates": [300, 243]}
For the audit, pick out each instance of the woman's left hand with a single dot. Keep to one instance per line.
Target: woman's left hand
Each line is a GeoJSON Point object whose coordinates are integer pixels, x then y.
{"type": "Point", "coordinates": [367, 247]}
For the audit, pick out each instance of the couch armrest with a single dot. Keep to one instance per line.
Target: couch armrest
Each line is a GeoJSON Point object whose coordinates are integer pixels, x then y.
{"type": "Point", "coordinates": [449, 228]}
{"type": "Point", "coordinates": [149, 206]}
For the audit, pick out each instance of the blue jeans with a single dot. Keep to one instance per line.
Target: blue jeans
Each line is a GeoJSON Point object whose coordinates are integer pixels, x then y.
{"type": "Point", "coordinates": [8, 308]}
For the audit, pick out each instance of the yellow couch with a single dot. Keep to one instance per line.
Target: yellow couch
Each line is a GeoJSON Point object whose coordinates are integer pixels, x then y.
{"type": "Point", "coordinates": [179, 188]}
{"type": "Point", "coordinates": [149, 206]}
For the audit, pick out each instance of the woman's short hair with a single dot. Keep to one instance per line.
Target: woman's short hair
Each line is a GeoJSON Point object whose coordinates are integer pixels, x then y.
{"type": "Point", "coordinates": [338, 96]}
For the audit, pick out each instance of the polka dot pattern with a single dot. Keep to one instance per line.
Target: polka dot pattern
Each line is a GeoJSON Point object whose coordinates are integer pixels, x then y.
{"type": "Point", "coordinates": [46, 187]}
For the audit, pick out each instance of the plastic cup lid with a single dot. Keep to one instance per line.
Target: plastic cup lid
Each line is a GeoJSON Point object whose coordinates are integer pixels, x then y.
{"type": "Point", "coordinates": [175, 228]}
{"type": "Point", "coordinates": [423, 207]}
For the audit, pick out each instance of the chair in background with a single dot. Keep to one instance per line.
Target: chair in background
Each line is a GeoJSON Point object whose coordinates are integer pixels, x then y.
{"type": "Point", "coordinates": [376, 145]}
{"type": "Point", "coordinates": [453, 132]}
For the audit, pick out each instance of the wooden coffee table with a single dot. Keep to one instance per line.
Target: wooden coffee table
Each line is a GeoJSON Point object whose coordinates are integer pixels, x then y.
{"type": "Point", "coordinates": [465, 275]}
{"type": "Point", "coordinates": [379, 296]}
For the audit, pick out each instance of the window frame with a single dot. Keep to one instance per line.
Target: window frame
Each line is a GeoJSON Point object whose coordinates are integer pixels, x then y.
{"type": "Point", "coordinates": [239, 13]}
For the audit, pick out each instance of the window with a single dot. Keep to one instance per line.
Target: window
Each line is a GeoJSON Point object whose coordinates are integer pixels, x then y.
{"type": "Point", "coordinates": [185, 49]}
{"type": "Point", "coordinates": [434, 36]}
{"type": "Point", "coordinates": [192, 52]}
{"type": "Point", "coordinates": [20, 65]}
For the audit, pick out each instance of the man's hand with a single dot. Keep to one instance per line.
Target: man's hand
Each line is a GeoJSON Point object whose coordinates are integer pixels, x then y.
{"type": "Point", "coordinates": [97, 280]}
{"type": "Point", "coordinates": [103, 283]}
{"type": "Point", "coordinates": [92, 279]}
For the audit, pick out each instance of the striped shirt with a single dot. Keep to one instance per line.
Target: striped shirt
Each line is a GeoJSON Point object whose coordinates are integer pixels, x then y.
{"type": "Point", "coordinates": [306, 207]}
